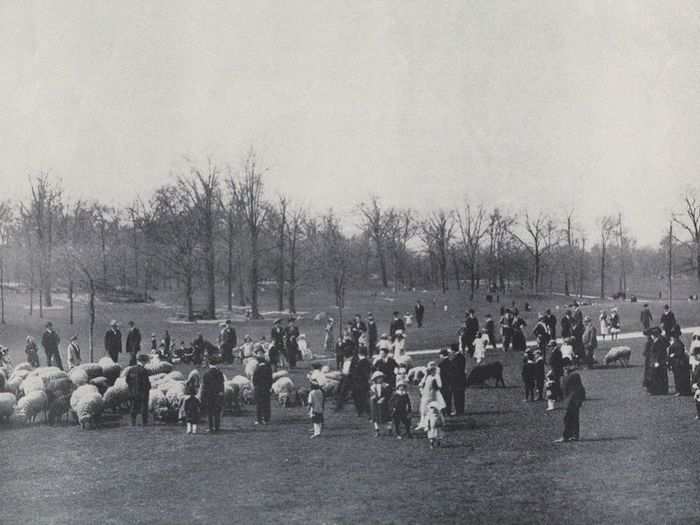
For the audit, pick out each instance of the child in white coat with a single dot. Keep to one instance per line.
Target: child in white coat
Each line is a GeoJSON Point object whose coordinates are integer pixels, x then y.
{"type": "Point", "coordinates": [435, 423]}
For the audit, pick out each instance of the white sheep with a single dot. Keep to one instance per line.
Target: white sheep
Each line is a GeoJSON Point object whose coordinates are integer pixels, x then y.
{"type": "Point", "coordinates": [284, 389]}
{"type": "Point", "coordinates": [176, 375]}
{"type": "Point", "coordinates": [279, 373]}
{"type": "Point", "coordinates": [249, 367]}
{"type": "Point", "coordinates": [8, 402]}
{"type": "Point", "coordinates": [619, 354]}
{"type": "Point", "coordinates": [32, 383]}
{"type": "Point", "coordinates": [92, 370]}
{"type": "Point", "coordinates": [158, 404]}
{"type": "Point", "coordinates": [78, 376]}
{"type": "Point", "coordinates": [116, 395]}
{"type": "Point", "coordinates": [246, 388]}
{"type": "Point", "coordinates": [89, 409]}
{"type": "Point", "coordinates": [232, 396]}
{"type": "Point", "coordinates": [110, 369]}
{"type": "Point", "coordinates": [32, 404]}
{"type": "Point", "coordinates": [24, 366]}
{"type": "Point", "coordinates": [82, 391]}
{"type": "Point", "coordinates": [157, 366]}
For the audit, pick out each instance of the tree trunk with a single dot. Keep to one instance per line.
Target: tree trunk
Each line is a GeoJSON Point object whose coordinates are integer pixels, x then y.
{"type": "Point", "coordinates": [188, 296]}
{"type": "Point", "coordinates": [602, 272]}
{"type": "Point", "coordinates": [537, 273]}
{"type": "Point", "coordinates": [254, 277]}
{"type": "Point", "coordinates": [229, 268]}
{"type": "Point", "coordinates": [291, 295]}
{"type": "Point", "coordinates": [2, 291]}
{"type": "Point", "coordinates": [41, 305]}
{"type": "Point", "coordinates": [211, 275]}
{"type": "Point", "coordinates": [70, 299]}
{"type": "Point", "coordinates": [91, 311]}
{"type": "Point", "coordinates": [382, 265]}
{"type": "Point", "coordinates": [280, 272]}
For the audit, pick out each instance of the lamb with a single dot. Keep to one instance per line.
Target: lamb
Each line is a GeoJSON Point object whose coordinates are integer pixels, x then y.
{"type": "Point", "coordinates": [284, 389]}
{"type": "Point", "coordinates": [482, 373]}
{"type": "Point", "coordinates": [32, 404]}
{"type": "Point", "coordinates": [8, 402]}
{"type": "Point", "coordinates": [619, 354]}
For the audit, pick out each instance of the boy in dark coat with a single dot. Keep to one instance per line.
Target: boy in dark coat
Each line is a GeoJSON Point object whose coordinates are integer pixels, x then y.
{"type": "Point", "coordinates": [139, 384]}
{"type": "Point", "coordinates": [400, 405]}
{"type": "Point", "coordinates": [262, 383]}
{"type": "Point", "coordinates": [133, 342]}
{"type": "Point", "coordinates": [213, 396]}
{"type": "Point", "coordinates": [192, 413]}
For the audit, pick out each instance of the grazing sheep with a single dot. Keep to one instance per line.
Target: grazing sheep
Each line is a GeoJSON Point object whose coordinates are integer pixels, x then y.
{"type": "Point", "coordinates": [89, 409]}
{"type": "Point", "coordinates": [284, 389]}
{"type": "Point", "coordinates": [619, 354]}
{"type": "Point", "coordinates": [58, 409]}
{"type": "Point", "coordinates": [157, 366]}
{"type": "Point", "coordinates": [232, 397]}
{"type": "Point", "coordinates": [13, 384]}
{"type": "Point", "coordinates": [8, 402]}
{"type": "Point", "coordinates": [78, 376]}
{"type": "Point", "coordinates": [158, 404]}
{"type": "Point", "coordinates": [92, 370]}
{"type": "Point", "coordinates": [116, 395]}
{"type": "Point", "coordinates": [416, 374]}
{"type": "Point", "coordinates": [102, 384]}
{"type": "Point", "coordinates": [482, 373]}
{"type": "Point", "coordinates": [82, 391]}
{"type": "Point", "coordinates": [33, 403]}
{"type": "Point", "coordinates": [24, 366]}
{"type": "Point", "coordinates": [32, 383]}
{"type": "Point", "coordinates": [110, 369]}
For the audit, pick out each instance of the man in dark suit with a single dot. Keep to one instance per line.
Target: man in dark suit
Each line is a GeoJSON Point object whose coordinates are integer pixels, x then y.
{"type": "Point", "coordinates": [262, 383]}
{"type": "Point", "coordinates": [447, 376]}
{"type": "Point", "coordinates": [372, 336]}
{"type": "Point", "coordinates": [357, 329]}
{"type": "Point", "coordinates": [133, 342]}
{"type": "Point", "coordinates": [213, 396]}
{"type": "Point", "coordinates": [459, 381]}
{"type": "Point", "coordinates": [574, 396]}
{"type": "Point", "coordinates": [113, 341]}
{"type": "Point", "coordinates": [386, 365]}
{"type": "Point", "coordinates": [396, 324]}
{"type": "Point", "coordinates": [471, 328]}
{"type": "Point", "coordinates": [360, 372]}
{"type": "Point", "coordinates": [419, 311]}
{"type": "Point", "coordinates": [50, 340]}
{"type": "Point", "coordinates": [291, 335]}
{"type": "Point", "coordinates": [667, 321]}
{"type": "Point", "coordinates": [139, 384]}
{"type": "Point", "coordinates": [227, 342]}
{"type": "Point", "coordinates": [277, 336]}
{"type": "Point", "coordinates": [551, 320]}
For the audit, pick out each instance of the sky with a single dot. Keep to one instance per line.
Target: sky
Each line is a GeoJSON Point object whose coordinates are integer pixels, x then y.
{"type": "Point", "coordinates": [554, 106]}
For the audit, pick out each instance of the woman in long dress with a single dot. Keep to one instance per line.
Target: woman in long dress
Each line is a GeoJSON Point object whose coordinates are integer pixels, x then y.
{"type": "Point", "coordinates": [658, 383]}
{"type": "Point", "coordinates": [680, 365]}
{"type": "Point", "coordinates": [603, 323]}
{"type": "Point", "coordinates": [328, 338]}
{"type": "Point", "coordinates": [429, 388]}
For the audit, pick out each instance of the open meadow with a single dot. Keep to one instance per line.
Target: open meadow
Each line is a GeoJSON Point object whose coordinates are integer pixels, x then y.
{"type": "Point", "coordinates": [635, 463]}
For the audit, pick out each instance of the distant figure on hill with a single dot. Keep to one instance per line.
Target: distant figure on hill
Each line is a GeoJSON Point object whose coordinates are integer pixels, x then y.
{"type": "Point", "coordinates": [419, 311]}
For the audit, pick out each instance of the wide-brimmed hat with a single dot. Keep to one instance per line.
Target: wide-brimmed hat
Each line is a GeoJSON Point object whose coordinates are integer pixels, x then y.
{"type": "Point", "coordinates": [377, 375]}
{"type": "Point", "coordinates": [113, 322]}
{"type": "Point", "coordinates": [552, 344]}
{"type": "Point", "coordinates": [431, 365]}
{"type": "Point", "coordinates": [434, 405]}
{"type": "Point", "coordinates": [398, 333]}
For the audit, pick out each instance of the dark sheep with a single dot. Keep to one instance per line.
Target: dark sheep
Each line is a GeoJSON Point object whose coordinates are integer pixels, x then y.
{"type": "Point", "coordinates": [482, 373]}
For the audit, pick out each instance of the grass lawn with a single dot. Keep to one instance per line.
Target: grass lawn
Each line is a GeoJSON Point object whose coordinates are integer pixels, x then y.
{"type": "Point", "coordinates": [636, 462]}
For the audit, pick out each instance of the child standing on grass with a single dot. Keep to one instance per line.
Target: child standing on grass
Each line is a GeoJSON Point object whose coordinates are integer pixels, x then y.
{"type": "Point", "coordinates": [435, 423]}
{"type": "Point", "coordinates": [192, 413]}
{"type": "Point", "coordinates": [378, 398]}
{"type": "Point", "coordinates": [401, 410]}
{"type": "Point", "coordinates": [552, 389]}
{"type": "Point", "coordinates": [696, 396]}
{"type": "Point", "coordinates": [317, 403]}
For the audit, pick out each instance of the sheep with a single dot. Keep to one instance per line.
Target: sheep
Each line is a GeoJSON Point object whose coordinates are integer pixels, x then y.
{"type": "Point", "coordinates": [78, 376]}
{"type": "Point", "coordinates": [176, 375]}
{"type": "Point", "coordinates": [157, 366]}
{"type": "Point", "coordinates": [92, 370]}
{"type": "Point", "coordinates": [619, 354]}
{"type": "Point", "coordinates": [24, 366]}
{"type": "Point", "coordinates": [89, 409]}
{"type": "Point", "coordinates": [482, 373]}
{"type": "Point", "coordinates": [58, 408]}
{"type": "Point", "coordinates": [232, 397]}
{"type": "Point", "coordinates": [116, 395]}
{"type": "Point", "coordinates": [416, 374]}
{"type": "Point", "coordinates": [246, 388]}
{"type": "Point", "coordinates": [32, 404]}
{"type": "Point", "coordinates": [32, 383]}
{"type": "Point", "coordinates": [110, 369]}
{"type": "Point", "coordinates": [15, 381]}
{"type": "Point", "coordinates": [284, 389]}
{"type": "Point", "coordinates": [8, 402]}
{"type": "Point", "coordinates": [278, 374]}
{"type": "Point", "coordinates": [249, 367]}
{"type": "Point", "coordinates": [102, 384]}
{"type": "Point", "coordinates": [82, 391]}
{"type": "Point", "coordinates": [158, 404]}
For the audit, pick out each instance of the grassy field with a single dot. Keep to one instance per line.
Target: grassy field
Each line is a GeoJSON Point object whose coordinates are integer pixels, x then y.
{"type": "Point", "coordinates": [636, 462]}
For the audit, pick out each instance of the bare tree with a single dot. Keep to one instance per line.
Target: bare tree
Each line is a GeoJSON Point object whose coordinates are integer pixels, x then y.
{"type": "Point", "coordinates": [376, 223]}
{"type": "Point", "coordinates": [250, 201]}
{"type": "Point", "coordinates": [6, 218]}
{"type": "Point", "coordinates": [336, 257]}
{"type": "Point", "coordinates": [498, 231]}
{"type": "Point", "coordinates": [473, 227]}
{"type": "Point", "coordinates": [607, 228]}
{"type": "Point", "coordinates": [401, 227]}
{"type": "Point", "coordinates": [202, 188]}
{"type": "Point", "coordinates": [691, 224]}
{"type": "Point", "coordinates": [295, 230]}
{"type": "Point", "coordinates": [437, 232]}
{"type": "Point", "coordinates": [280, 215]}
{"type": "Point", "coordinates": [537, 241]}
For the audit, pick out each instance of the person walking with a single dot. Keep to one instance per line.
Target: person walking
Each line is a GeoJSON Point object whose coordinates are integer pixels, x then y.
{"type": "Point", "coordinates": [667, 321]}
{"type": "Point", "coordinates": [277, 337]}
{"type": "Point", "coordinates": [645, 317]}
{"type": "Point", "coordinates": [317, 404]}
{"type": "Point", "coordinates": [262, 383]}
{"type": "Point", "coordinates": [401, 410]}
{"type": "Point", "coordinates": [429, 388]}
{"type": "Point", "coordinates": [133, 342]}
{"type": "Point", "coordinates": [139, 385]}
{"type": "Point", "coordinates": [459, 380]}
{"type": "Point", "coordinates": [396, 324]}
{"type": "Point", "coordinates": [360, 373]}
{"type": "Point", "coordinates": [680, 366]}
{"type": "Point", "coordinates": [447, 374]}
{"type": "Point", "coordinates": [213, 395]}
{"type": "Point", "coordinates": [73, 353]}
{"type": "Point", "coordinates": [574, 396]}
{"type": "Point", "coordinates": [471, 329]}
{"type": "Point", "coordinates": [379, 395]}
{"type": "Point", "coordinates": [590, 341]}
{"type": "Point", "coordinates": [506, 323]}
{"type": "Point", "coordinates": [604, 323]}
{"type": "Point", "coordinates": [419, 311]}
{"type": "Point", "coordinates": [113, 341]}
{"type": "Point", "coordinates": [50, 340]}
{"type": "Point", "coordinates": [490, 330]}
{"type": "Point", "coordinates": [658, 373]}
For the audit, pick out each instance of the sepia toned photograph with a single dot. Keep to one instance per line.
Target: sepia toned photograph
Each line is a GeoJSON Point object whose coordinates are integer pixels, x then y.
{"type": "Point", "coordinates": [339, 262]}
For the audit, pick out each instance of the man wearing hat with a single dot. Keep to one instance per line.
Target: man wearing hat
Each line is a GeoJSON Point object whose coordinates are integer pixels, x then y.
{"type": "Point", "coordinates": [419, 311]}
{"type": "Point", "coordinates": [360, 373]}
{"type": "Point", "coordinates": [372, 334]}
{"type": "Point", "coordinates": [566, 321]}
{"type": "Point", "coordinates": [556, 359]}
{"type": "Point", "coordinates": [227, 341]}
{"type": "Point", "coordinates": [471, 328]}
{"type": "Point", "coordinates": [50, 340]}
{"type": "Point", "coordinates": [667, 321]}
{"type": "Point", "coordinates": [213, 395]}
{"type": "Point", "coordinates": [448, 375]}
{"type": "Point", "coordinates": [277, 338]}
{"type": "Point", "coordinates": [396, 324]}
{"type": "Point", "coordinates": [379, 395]}
{"type": "Point", "coordinates": [133, 342]}
{"type": "Point", "coordinates": [506, 322]}
{"type": "Point", "coordinates": [113, 341]}
{"type": "Point", "coordinates": [262, 383]}
{"type": "Point", "coordinates": [292, 346]}
{"type": "Point", "coordinates": [357, 329]}
{"type": "Point", "coordinates": [590, 341]}
{"type": "Point", "coordinates": [139, 385]}
{"type": "Point", "coordinates": [645, 317]}
{"type": "Point", "coordinates": [541, 332]}
{"type": "Point", "coordinates": [387, 366]}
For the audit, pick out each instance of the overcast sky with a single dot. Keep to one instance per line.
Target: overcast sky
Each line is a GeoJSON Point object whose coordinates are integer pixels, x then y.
{"type": "Point", "coordinates": [552, 105]}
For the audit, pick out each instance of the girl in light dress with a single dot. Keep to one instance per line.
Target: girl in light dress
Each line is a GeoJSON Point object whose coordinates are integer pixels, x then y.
{"type": "Point", "coordinates": [429, 388]}
{"type": "Point", "coordinates": [603, 324]}
{"type": "Point", "coordinates": [480, 344]}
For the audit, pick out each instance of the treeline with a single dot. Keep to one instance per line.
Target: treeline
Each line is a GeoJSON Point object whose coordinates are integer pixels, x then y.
{"type": "Point", "coordinates": [218, 225]}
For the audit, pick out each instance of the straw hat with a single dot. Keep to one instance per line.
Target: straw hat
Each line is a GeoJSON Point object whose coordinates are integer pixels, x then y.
{"type": "Point", "coordinates": [377, 375]}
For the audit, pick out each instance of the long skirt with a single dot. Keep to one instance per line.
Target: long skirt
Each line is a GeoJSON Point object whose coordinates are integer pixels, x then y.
{"type": "Point", "coordinates": [658, 383]}
{"type": "Point", "coordinates": [424, 411]}
{"type": "Point", "coordinates": [681, 378]}
{"type": "Point", "coordinates": [571, 421]}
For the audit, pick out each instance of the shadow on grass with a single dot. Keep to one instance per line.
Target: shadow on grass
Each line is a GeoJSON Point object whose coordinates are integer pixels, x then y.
{"type": "Point", "coordinates": [614, 367]}
{"type": "Point", "coordinates": [606, 439]}
{"type": "Point", "coordinates": [488, 413]}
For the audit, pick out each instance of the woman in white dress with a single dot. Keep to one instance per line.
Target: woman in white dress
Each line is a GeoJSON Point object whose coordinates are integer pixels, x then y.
{"type": "Point", "coordinates": [603, 324]}
{"type": "Point", "coordinates": [429, 388]}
